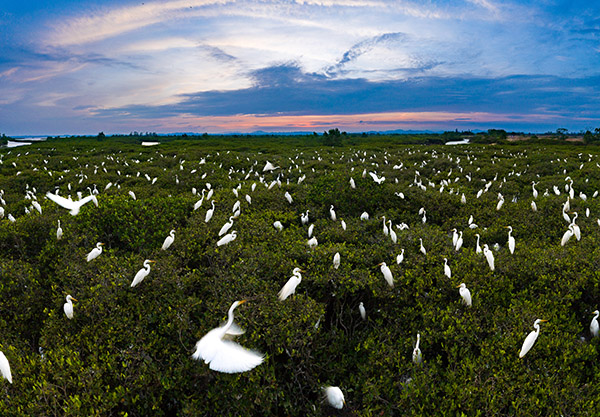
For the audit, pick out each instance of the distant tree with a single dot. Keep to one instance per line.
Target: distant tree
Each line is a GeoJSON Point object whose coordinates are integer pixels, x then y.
{"type": "Point", "coordinates": [332, 138]}
{"type": "Point", "coordinates": [562, 132]}
{"type": "Point", "coordinates": [101, 135]}
{"type": "Point", "coordinates": [498, 133]}
{"type": "Point", "coordinates": [589, 137]}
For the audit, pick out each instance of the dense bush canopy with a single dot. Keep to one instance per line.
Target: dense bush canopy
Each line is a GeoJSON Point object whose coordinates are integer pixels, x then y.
{"type": "Point", "coordinates": [127, 351]}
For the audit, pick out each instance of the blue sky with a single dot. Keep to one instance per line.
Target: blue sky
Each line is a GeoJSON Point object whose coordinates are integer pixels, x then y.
{"type": "Point", "coordinates": [80, 67]}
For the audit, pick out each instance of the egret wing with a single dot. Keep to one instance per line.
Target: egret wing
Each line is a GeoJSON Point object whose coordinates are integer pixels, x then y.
{"type": "Point", "coordinates": [231, 357]}
{"type": "Point", "coordinates": [61, 201]}
{"type": "Point", "coordinates": [528, 343]}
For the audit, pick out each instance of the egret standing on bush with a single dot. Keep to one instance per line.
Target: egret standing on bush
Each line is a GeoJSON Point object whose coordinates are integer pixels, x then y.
{"type": "Point", "coordinates": [417, 357]}
{"type": "Point", "coordinates": [511, 240]}
{"type": "Point", "coordinates": [68, 306]}
{"type": "Point", "coordinates": [335, 397]}
{"type": "Point", "coordinates": [169, 240]}
{"type": "Point", "coordinates": [531, 338]}
{"type": "Point", "coordinates": [594, 328]}
{"type": "Point", "coordinates": [290, 287]}
{"type": "Point", "coordinates": [465, 294]}
{"type": "Point", "coordinates": [142, 273]}
{"type": "Point", "coordinates": [387, 273]}
{"type": "Point", "coordinates": [94, 253]}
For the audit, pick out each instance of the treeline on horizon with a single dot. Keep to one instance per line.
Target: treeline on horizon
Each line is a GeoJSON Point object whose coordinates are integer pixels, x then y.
{"type": "Point", "coordinates": [335, 137]}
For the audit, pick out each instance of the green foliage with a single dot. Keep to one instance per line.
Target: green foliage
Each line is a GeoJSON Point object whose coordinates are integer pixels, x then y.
{"type": "Point", "coordinates": [128, 350]}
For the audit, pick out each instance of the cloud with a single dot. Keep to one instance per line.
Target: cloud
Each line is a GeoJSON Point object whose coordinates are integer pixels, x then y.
{"type": "Point", "coordinates": [364, 47]}
{"type": "Point", "coordinates": [286, 90]}
{"type": "Point", "coordinates": [108, 23]}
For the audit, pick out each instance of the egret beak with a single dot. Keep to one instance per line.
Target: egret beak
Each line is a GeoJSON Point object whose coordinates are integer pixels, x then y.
{"type": "Point", "coordinates": [543, 321]}
{"type": "Point", "coordinates": [150, 260]}
{"type": "Point", "coordinates": [379, 264]}
{"type": "Point", "coordinates": [458, 286]}
{"type": "Point", "coordinates": [242, 302]}
{"type": "Point", "coordinates": [73, 299]}
{"type": "Point", "coordinates": [101, 243]}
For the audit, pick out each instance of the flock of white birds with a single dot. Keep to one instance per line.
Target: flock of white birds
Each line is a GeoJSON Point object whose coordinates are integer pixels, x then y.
{"type": "Point", "coordinates": [216, 348]}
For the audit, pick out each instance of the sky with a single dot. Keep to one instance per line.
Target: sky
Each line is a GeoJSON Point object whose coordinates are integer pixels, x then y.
{"type": "Point", "coordinates": [216, 66]}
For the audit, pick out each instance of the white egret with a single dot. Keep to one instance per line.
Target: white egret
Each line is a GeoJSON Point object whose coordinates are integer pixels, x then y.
{"type": "Point", "coordinates": [225, 228]}
{"type": "Point", "coordinates": [224, 355]}
{"type": "Point", "coordinates": [288, 197]}
{"type": "Point", "coordinates": [310, 229]}
{"type": "Point", "coordinates": [576, 230]}
{"type": "Point", "coordinates": [385, 228]}
{"type": "Point", "coordinates": [594, 328]}
{"type": "Point", "coordinates": [37, 206]}
{"type": "Point", "coordinates": [198, 203]}
{"type": "Point", "coordinates": [500, 203]}
{"type": "Point", "coordinates": [400, 257]}
{"type": "Point", "coordinates": [417, 357]}
{"type": "Point", "coordinates": [364, 216]}
{"type": "Point", "coordinates": [228, 238]}
{"type": "Point", "coordinates": [142, 273]}
{"type": "Point", "coordinates": [290, 286]}
{"type": "Point", "coordinates": [332, 213]}
{"type": "Point", "coordinates": [168, 240]}
{"type": "Point", "coordinates": [447, 270]}
{"type": "Point", "coordinates": [209, 212]}
{"type": "Point", "coordinates": [477, 247]}
{"type": "Point", "coordinates": [567, 235]}
{"type": "Point", "coordinates": [336, 260]}
{"type": "Point", "coordinates": [304, 217]}
{"type": "Point", "coordinates": [132, 194]}
{"type": "Point", "coordinates": [531, 338]}
{"type": "Point", "coordinates": [73, 206]}
{"type": "Point", "coordinates": [465, 294]}
{"type": "Point", "coordinates": [248, 199]}
{"type": "Point", "coordinates": [94, 253]}
{"type": "Point", "coordinates": [335, 397]}
{"type": "Point", "coordinates": [59, 232]}
{"type": "Point", "coordinates": [454, 237]}
{"type": "Point", "coordinates": [5, 367]}
{"type": "Point", "coordinates": [387, 273]}
{"type": "Point", "coordinates": [343, 223]}
{"type": "Point", "coordinates": [533, 206]}
{"type": "Point", "coordinates": [459, 241]}
{"type": "Point", "coordinates": [312, 242]}
{"type": "Point", "coordinates": [269, 167]}
{"type": "Point", "coordinates": [363, 312]}
{"type": "Point", "coordinates": [422, 248]}
{"type": "Point", "coordinates": [277, 225]}
{"type": "Point", "coordinates": [489, 256]}
{"type": "Point", "coordinates": [511, 240]}
{"type": "Point", "coordinates": [68, 306]}
{"type": "Point", "coordinates": [393, 234]}
{"type": "Point", "coordinates": [535, 192]}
